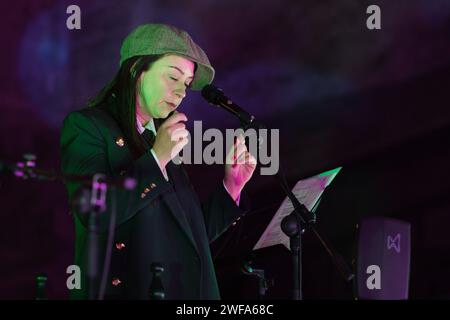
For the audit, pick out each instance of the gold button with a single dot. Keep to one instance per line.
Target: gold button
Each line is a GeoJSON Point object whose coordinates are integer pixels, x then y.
{"type": "Point", "coordinates": [116, 281]}
{"type": "Point", "coordinates": [152, 185]}
{"type": "Point", "coordinates": [143, 195]}
{"type": "Point", "coordinates": [120, 141]}
{"type": "Point", "coordinates": [234, 223]}
{"type": "Point", "coordinates": [146, 190]}
{"type": "Point", "coordinates": [120, 245]}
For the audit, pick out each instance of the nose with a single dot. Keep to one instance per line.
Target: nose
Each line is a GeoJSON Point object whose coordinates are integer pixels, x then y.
{"type": "Point", "coordinates": [180, 92]}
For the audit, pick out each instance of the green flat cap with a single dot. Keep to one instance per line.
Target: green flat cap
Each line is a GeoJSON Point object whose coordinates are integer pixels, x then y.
{"type": "Point", "coordinates": [150, 39]}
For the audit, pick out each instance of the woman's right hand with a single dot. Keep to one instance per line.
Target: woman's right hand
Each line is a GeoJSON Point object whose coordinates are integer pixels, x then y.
{"type": "Point", "coordinates": [171, 138]}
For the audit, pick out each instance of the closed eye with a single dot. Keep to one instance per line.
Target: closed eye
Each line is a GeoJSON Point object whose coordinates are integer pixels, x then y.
{"type": "Point", "coordinates": [187, 85]}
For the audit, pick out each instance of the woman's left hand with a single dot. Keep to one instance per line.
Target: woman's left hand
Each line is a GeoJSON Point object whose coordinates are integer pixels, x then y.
{"type": "Point", "coordinates": [239, 167]}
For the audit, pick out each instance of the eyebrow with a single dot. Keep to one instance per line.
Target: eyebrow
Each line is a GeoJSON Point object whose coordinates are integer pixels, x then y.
{"type": "Point", "coordinates": [180, 71]}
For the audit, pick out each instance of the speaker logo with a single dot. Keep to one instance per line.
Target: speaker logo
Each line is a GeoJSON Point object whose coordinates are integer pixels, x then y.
{"type": "Point", "coordinates": [394, 243]}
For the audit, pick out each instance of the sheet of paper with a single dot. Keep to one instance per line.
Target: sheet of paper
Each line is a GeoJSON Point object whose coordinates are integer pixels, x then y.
{"type": "Point", "coordinates": [308, 192]}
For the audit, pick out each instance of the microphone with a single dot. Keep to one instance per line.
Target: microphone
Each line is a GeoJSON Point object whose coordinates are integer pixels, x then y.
{"type": "Point", "coordinates": [216, 96]}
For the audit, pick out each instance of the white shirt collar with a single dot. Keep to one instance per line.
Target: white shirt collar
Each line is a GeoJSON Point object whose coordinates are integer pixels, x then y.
{"type": "Point", "coordinates": [150, 126]}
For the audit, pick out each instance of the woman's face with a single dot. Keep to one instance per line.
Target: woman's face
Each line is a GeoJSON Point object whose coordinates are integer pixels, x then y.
{"type": "Point", "coordinates": [162, 87]}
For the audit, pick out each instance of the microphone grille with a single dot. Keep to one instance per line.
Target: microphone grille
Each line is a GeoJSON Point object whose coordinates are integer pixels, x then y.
{"type": "Point", "coordinates": [212, 94]}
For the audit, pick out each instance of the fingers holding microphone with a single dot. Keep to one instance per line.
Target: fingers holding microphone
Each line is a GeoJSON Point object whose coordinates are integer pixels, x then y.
{"type": "Point", "coordinates": [171, 137]}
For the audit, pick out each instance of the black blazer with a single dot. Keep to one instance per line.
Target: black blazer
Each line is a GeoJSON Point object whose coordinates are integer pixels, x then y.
{"type": "Point", "coordinates": [158, 221]}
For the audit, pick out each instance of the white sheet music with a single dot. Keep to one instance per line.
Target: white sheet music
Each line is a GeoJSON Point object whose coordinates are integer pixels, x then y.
{"type": "Point", "coordinates": [308, 192]}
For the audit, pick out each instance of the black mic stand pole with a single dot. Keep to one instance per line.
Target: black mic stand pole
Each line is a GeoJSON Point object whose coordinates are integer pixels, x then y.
{"type": "Point", "coordinates": [292, 226]}
{"type": "Point", "coordinates": [97, 206]}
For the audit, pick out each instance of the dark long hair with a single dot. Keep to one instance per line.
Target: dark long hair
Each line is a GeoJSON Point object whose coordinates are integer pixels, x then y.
{"type": "Point", "coordinates": [119, 99]}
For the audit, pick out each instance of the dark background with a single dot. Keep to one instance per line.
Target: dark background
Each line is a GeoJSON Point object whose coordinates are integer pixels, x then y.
{"type": "Point", "coordinates": [372, 101]}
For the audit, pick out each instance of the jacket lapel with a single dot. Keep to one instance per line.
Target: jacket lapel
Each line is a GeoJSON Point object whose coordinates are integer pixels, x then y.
{"type": "Point", "coordinates": [120, 156]}
{"type": "Point", "coordinates": [174, 204]}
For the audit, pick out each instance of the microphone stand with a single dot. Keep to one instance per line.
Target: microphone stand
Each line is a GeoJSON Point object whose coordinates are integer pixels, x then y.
{"type": "Point", "coordinates": [97, 206]}
{"type": "Point", "coordinates": [93, 207]}
{"type": "Point", "coordinates": [295, 224]}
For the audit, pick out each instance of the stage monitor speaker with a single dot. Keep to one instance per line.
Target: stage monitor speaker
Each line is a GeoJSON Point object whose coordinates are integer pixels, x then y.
{"type": "Point", "coordinates": [383, 259]}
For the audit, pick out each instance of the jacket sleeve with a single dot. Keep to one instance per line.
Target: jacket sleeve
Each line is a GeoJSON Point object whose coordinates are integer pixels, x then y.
{"type": "Point", "coordinates": [84, 152]}
{"type": "Point", "coordinates": [220, 211]}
